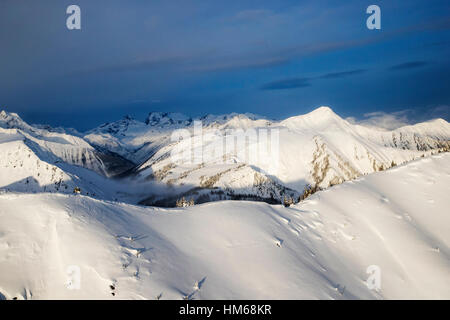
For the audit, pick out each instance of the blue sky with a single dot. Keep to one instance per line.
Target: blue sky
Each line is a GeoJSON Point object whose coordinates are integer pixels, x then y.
{"type": "Point", "coordinates": [274, 58]}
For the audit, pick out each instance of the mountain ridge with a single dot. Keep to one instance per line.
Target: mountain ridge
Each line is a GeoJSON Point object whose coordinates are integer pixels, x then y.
{"type": "Point", "coordinates": [323, 248]}
{"type": "Point", "coordinates": [315, 150]}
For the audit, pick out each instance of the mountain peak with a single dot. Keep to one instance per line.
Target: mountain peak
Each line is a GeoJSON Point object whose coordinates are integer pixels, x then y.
{"type": "Point", "coordinates": [4, 114]}
{"type": "Point", "coordinates": [12, 120]}
{"type": "Point", "coordinates": [322, 111]}
{"type": "Point", "coordinates": [167, 118]}
{"type": "Point", "coordinates": [322, 118]}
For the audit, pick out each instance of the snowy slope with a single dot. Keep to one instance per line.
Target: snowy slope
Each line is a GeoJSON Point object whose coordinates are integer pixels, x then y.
{"type": "Point", "coordinates": [26, 168]}
{"type": "Point", "coordinates": [397, 219]}
{"type": "Point", "coordinates": [23, 169]}
{"type": "Point", "coordinates": [318, 149]}
{"type": "Point", "coordinates": [68, 148]}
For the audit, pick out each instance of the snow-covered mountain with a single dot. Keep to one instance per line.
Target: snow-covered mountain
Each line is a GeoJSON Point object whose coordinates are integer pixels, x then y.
{"type": "Point", "coordinates": [318, 149]}
{"type": "Point", "coordinates": [320, 248]}
{"type": "Point", "coordinates": [59, 145]}
{"type": "Point", "coordinates": [138, 141]}
{"type": "Point", "coordinates": [55, 246]}
{"type": "Point", "coordinates": [26, 167]}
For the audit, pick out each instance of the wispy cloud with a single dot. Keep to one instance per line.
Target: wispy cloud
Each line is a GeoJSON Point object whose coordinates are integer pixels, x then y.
{"type": "Point", "coordinates": [201, 62]}
{"type": "Point", "coordinates": [301, 82]}
{"type": "Point", "coordinates": [408, 65]}
{"type": "Point", "coordinates": [237, 64]}
{"type": "Point", "coordinates": [342, 74]}
{"type": "Point", "coordinates": [397, 119]}
{"type": "Point", "coordinates": [287, 84]}
{"type": "Point", "coordinates": [436, 44]}
{"type": "Point", "coordinates": [440, 111]}
{"type": "Point", "coordinates": [327, 45]}
{"type": "Point", "coordinates": [196, 62]}
{"type": "Point", "coordinates": [380, 119]}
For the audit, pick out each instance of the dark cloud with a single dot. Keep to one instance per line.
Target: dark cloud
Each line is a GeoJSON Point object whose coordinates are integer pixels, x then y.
{"type": "Point", "coordinates": [238, 64]}
{"type": "Point", "coordinates": [193, 63]}
{"type": "Point", "coordinates": [209, 55]}
{"type": "Point", "coordinates": [166, 63]}
{"type": "Point", "coordinates": [408, 65]}
{"type": "Point", "coordinates": [342, 74]}
{"type": "Point", "coordinates": [436, 44]}
{"type": "Point", "coordinates": [292, 83]}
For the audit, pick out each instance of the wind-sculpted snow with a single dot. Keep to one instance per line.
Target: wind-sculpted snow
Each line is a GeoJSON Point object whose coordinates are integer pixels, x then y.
{"type": "Point", "coordinates": [395, 221]}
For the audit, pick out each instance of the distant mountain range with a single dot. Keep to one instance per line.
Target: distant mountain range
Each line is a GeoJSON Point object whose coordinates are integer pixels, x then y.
{"type": "Point", "coordinates": [318, 149]}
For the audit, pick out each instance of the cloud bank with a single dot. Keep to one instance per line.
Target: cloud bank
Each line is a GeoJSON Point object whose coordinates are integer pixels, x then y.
{"type": "Point", "coordinates": [397, 119]}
